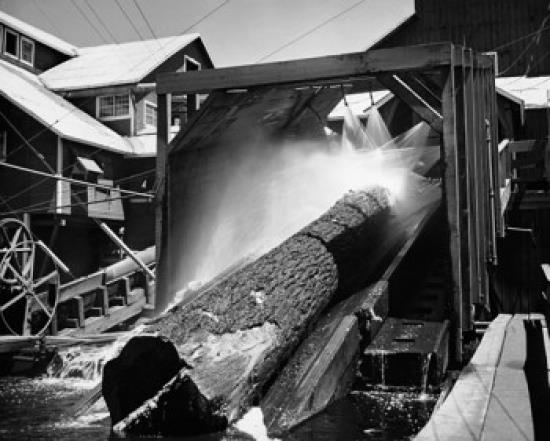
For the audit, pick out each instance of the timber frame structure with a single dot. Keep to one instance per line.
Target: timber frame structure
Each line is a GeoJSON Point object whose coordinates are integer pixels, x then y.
{"type": "Point", "coordinates": [450, 87]}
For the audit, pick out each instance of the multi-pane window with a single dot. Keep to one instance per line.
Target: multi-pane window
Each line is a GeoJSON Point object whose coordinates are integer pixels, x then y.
{"type": "Point", "coordinates": [150, 114]}
{"type": "Point", "coordinates": [27, 51]}
{"type": "Point", "coordinates": [114, 106]}
{"type": "Point", "coordinates": [11, 43]}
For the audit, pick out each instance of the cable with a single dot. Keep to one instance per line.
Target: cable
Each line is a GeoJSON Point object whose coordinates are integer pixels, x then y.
{"type": "Point", "coordinates": [204, 17]}
{"type": "Point", "coordinates": [39, 155]}
{"type": "Point", "coordinates": [98, 18]}
{"type": "Point", "coordinates": [129, 20]}
{"type": "Point", "coordinates": [78, 204]}
{"type": "Point", "coordinates": [524, 37]}
{"type": "Point", "coordinates": [536, 39]}
{"type": "Point", "coordinates": [43, 13]}
{"type": "Point", "coordinates": [145, 19]}
{"type": "Point", "coordinates": [135, 175]}
{"type": "Point", "coordinates": [310, 31]}
{"type": "Point", "coordinates": [81, 11]}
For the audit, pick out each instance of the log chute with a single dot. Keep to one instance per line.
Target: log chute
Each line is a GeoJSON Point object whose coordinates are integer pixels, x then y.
{"type": "Point", "coordinates": [236, 336]}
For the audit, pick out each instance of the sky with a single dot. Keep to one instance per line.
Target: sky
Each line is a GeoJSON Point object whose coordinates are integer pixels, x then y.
{"type": "Point", "coordinates": [234, 31]}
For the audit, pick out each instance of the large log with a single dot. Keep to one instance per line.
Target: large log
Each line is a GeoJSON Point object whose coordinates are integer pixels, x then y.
{"type": "Point", "coordinates": [236, 336]}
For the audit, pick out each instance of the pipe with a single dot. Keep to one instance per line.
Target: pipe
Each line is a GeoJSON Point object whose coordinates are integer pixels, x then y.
{"type": "Point", "coordinates": [127, 250]}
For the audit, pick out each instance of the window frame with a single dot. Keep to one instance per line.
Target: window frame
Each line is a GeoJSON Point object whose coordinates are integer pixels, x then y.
{"type": "Point", "coordinates": [1, 38]}
{"type": "Point", "coordinates": [154, 105]}
{"type": "Point", "coordinates": [17, 46]}
{"type": "Point", "coordinates": [114, 117]}
{"type": "Point", "coordinates": [22, 40]}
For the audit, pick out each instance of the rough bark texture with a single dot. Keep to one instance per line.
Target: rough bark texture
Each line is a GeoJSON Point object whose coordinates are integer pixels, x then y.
{"type": "Point", "coordinates": [237, 335]}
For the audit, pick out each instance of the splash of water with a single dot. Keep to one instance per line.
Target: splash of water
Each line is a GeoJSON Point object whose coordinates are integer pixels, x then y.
{"type": "Point", "coordinates": [272, 190]}
{"type": "Point", "coordinates": [86, 362]}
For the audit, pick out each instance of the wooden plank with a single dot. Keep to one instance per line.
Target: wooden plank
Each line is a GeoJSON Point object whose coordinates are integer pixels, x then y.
{"type": "Point", "coordinates": [117, 315]}
{"type": "Point", "coordinates": [80, 286]}
{"type": "Point", "coordinates": [413, 99]}
{"type": "Point", "coordinates": [312, 70]}
{"type": "Point", "coordinates": [462, 415]}
{"type": "Point", "coordinates": [451, 185]}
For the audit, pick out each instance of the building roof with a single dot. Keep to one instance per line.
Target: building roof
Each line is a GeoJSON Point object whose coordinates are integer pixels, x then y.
{"type": "Point", "coordinates": [534, 91]}
{"type": "Point", "coordinates": [144, 145]}
{"type": "Point", "coordinates": [26, 91]}
{"type": "Point", "coordinates": [114, 64]}
{"type": "Point", "coordinates": [39, 35]}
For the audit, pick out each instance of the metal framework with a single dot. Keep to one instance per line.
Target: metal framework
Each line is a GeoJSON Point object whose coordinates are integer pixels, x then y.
{"type": "Point", "coordinates": [450, 87]}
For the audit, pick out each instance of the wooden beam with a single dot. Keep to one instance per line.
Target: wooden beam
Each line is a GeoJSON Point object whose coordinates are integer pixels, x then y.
{"type": "Point", "coordinates": [451, 185]}
{"type": "Point", "coordinates": [164, 115]}
{"type": "Point", "coordinates": [414, 100]}
{"type": "Point", "coordinates": [338, 68]}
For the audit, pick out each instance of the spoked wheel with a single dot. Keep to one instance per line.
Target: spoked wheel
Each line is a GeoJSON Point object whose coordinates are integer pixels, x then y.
{"type": "Point", "coordinates": [27, 306]}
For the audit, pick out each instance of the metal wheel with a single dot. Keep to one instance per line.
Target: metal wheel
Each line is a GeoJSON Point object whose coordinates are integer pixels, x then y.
{"type": "Point", "coordinates": [27, 306]}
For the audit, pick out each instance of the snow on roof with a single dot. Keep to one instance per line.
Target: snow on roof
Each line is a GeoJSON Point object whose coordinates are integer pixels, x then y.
{"type": "Point", "coordinates": [25, 90]}
{"type": "Point", "coordinates": [38, 35]}
{"type": "Point", "coordinates": [114, 64]}
{"type": "Point", "coordinates": [359, 103]}
{"type": "Point", "coordinates": [144, 145]}
{"type": "Point", "coordinates": [534, 91]}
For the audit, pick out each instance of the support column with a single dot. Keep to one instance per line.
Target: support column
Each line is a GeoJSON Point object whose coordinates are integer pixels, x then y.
{"type": "Point", "coordinates": [451, 183]}
{"type": "Point", "coordinates": [164, 111]}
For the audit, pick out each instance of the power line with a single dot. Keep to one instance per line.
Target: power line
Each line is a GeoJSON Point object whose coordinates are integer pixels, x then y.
{"type": "Point", "coordinates": [129, 20]}
{"type": "Point", "coordinates": [99, 19]}
{"type": "Point", "coordinates": [46, 16]}
{"type": "Point", "coordinates": [145, 19]}
{"type": "Point", "coordinates": [204, 17]}
{"type": "Point", "coordinates": [72, 180]}
{"type": "Point", "coordinates": [83, 14]}
{"type": "Point", "coordinates": [524, 37]}
{"type": "Point", "coordinates": [310, 31]}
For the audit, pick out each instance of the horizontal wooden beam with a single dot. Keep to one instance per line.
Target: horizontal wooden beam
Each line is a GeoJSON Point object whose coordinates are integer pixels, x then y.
{"type": "Point", "coordinates": [416, 102]}
{"type": "Point", "coordinates": [108, 90]}
{"type": "Point", "coordinates": [337, 68]}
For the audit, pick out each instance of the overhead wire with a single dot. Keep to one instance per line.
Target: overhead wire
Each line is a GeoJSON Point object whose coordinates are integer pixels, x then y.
{"type": "Point", "coordinates": [134, 27]}
{"type": "Point", "coordinates": [46, 16]}
{"type": "Point", "coordinates": [204, 17]}
{"type": "Point", "coordinates": [310, 31]}
{"type": "Point", "coordinates": [100, 20]}
{"type": "Point", "coordinates": [145, 19]}
{"type": "Point", "coordinates": [92, 25]}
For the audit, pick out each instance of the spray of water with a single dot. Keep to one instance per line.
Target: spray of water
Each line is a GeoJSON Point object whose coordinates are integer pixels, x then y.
{"type": "Point", "coordinates": [273, 190]}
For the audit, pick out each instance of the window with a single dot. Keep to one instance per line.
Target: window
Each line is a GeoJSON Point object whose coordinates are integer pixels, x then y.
{"type": "Point", "coordinates": [1, 37]}
{"type": "Point", "coordinates": [27, 51]}
{"type": "Point", "coordinates": [113, 106]}
{"type": "Point", "coordinates": [11, 43]}
{"type": "Point", "coordinates": [190, 64]}
{"type": "Point", "coordinates": [150, 114]}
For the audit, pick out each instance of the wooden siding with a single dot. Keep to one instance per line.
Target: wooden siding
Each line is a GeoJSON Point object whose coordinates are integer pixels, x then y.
{"type": "Point", "coordinates": [483, 25]}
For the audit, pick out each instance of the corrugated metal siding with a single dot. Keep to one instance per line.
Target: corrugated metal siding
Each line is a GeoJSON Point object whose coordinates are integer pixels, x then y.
{"type": "Point", "coordinates": [483, 25]}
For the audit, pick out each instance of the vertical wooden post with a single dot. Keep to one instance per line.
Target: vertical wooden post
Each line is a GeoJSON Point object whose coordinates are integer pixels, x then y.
{"type": "Point", "coordinates": [451, 183]}
{"type": "Point", "coordinates": [164, 111]}
{"type": "Point", "coordinates": [59, 172]}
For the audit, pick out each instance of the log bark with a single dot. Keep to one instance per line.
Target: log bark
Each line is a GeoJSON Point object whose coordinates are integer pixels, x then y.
{"type": "Point", "coordinates": [236, 336]}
